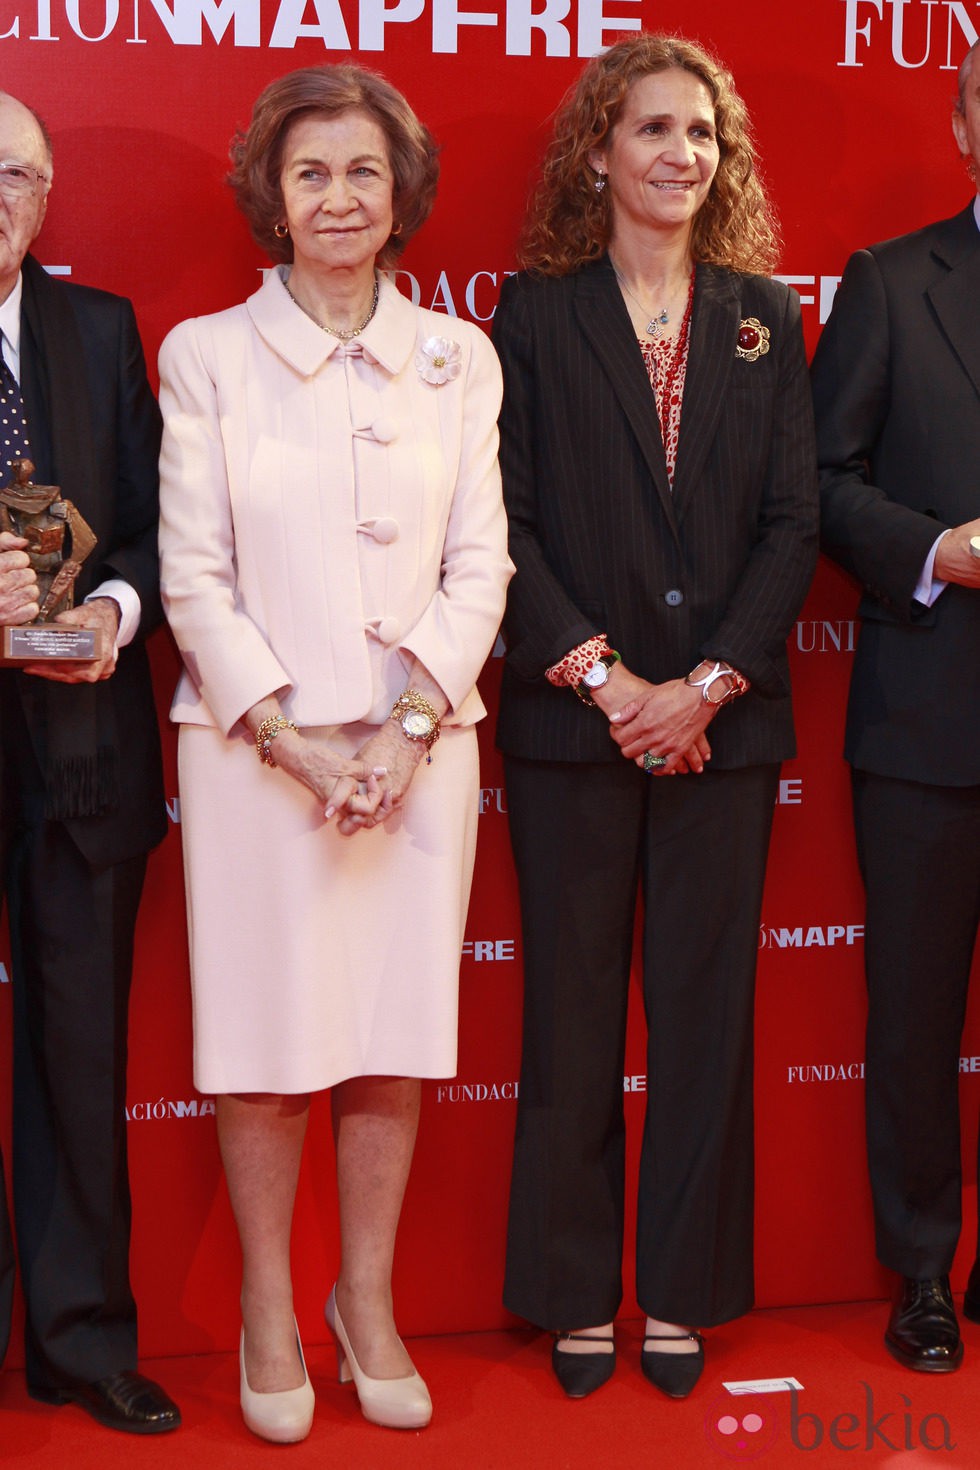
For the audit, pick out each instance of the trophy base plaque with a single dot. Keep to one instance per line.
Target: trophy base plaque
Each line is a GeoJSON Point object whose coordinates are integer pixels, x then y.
{"type": "Point", "coordinates": [40, 642]}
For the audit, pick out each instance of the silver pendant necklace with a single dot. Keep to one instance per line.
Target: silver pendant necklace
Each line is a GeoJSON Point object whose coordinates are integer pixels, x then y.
{"type": "Point", "coordinates": [657, 320]}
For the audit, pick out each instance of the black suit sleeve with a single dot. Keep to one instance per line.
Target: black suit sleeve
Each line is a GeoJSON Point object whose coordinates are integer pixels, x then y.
{"type": "Point", "coordinates": [541, 623]}
{"type": "Point", "coordinates": [878, 540]}
{"type": "Point", "coordinates": [132, 554]}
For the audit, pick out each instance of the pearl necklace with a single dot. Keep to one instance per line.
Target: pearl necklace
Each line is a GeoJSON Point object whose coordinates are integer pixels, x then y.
{"type": "Point", "coordinates": [343, 336]}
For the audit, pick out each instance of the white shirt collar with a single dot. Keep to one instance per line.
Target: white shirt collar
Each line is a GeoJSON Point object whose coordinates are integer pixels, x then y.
{"type": "Point", "coordinates": [10, 326]}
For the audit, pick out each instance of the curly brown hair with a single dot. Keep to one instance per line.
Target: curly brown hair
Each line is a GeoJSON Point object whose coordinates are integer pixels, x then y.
{"type": "Point", "coordinates": [569, 223]}
{"type": "Point", "coordinates": [256, 154]}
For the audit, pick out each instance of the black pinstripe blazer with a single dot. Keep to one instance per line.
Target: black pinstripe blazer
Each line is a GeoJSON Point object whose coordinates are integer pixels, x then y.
{"type": "Point", "coordinates": [719, 568]}
{"type": "Point", "coordinates": [896, 383]}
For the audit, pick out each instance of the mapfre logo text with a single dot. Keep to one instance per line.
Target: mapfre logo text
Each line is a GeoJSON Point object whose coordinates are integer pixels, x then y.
{"type": "Point", "coordinates": [811, 936]}
{"type": "Point", "coordinates": [559, 27]}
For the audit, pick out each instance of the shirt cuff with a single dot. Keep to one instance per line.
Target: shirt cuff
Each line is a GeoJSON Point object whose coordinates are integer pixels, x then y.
{"type": "Point", "coordinates": [572, 669]}
{"type": "Point", "coordinates": [130, 607]}
{"type": "Point", "coordinates": [929, 587]}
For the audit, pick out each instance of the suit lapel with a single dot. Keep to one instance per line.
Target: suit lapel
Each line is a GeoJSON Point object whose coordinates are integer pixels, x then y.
{"type": "Point", "coordinates": [605, 321]}
{"type": "Point", "coordinates": [711, 355]}
{"type": "Point", "coordinates": [55, 383]}
{"type": "Point", "coordinates": [955, 296]}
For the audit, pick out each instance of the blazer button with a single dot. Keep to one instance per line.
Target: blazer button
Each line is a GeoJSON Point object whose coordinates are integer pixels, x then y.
{"type": "Point", "coordinates": [384, 529]}
{"type": "Point", "coordinates": [674, 597]}
{"type": "Point", "coordinates": [381, 430]}
{"type": "Point", "coordinates": [389, 630]}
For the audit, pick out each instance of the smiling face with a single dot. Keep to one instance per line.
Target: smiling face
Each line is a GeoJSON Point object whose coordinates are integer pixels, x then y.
{"type": "Point", "coordinates": [966, 124]}
{"type": "Point", "coordinates": [661, 156]}
{"type": "Point", "coordinates": [337, 187]}
{"type": "Point", "coordinates": [21, 216]}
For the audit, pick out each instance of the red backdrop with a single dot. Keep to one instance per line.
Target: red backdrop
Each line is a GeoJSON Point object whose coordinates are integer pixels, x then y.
{"type": "Point", "coordinates": [851, 103]}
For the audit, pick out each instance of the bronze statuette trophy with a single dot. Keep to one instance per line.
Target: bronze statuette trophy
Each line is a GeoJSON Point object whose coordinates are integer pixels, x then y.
{"type": "Point", "coordinates": [42, 518]}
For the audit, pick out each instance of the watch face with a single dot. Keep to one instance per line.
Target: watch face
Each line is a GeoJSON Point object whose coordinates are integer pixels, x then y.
{"type": "Point", "coordinates": [416, 725]}
{"type": "Point", "coordinates": [596, 677]}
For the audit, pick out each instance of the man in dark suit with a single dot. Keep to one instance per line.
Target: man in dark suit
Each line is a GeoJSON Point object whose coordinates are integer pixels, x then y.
{"type": "Point", "coordinates": [896, 383]}
{"type": "Point", "coordinates": [81, 804]}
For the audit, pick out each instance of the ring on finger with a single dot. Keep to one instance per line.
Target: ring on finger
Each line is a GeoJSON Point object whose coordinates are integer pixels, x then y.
{"type": "Point", "coordinates": [653, 762]}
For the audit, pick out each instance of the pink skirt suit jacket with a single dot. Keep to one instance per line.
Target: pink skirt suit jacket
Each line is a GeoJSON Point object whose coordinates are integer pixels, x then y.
{"type": "Point", "coordinates": [327, 512]}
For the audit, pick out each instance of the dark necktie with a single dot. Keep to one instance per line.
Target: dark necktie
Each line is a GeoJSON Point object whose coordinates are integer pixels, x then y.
{"type": "Point", "coordinates": [14, 440]}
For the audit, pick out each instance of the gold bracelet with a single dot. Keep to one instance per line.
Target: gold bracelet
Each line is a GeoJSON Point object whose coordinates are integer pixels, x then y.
{"type": "Point", "coordinates": [417, 718]}
{"type": "Point", "coordinates": [267, 732]}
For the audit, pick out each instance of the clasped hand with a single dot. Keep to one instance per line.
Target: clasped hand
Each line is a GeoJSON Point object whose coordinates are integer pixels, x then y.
{"type": "Point", "coordinates": [18, 583]}
{"type": "Point", "coordinates": [667, 719]}
{"type": "Point", "coordinates": [19, 605]}
{"type": "Point", "coordinates": [395, 759]}
{"type": "Point", "coordinates": [361, 792]}
{"type": "Point", "coordinates": [339, 785]}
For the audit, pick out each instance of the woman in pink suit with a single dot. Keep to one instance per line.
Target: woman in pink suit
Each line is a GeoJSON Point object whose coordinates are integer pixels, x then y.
{"type": "Point", "coordinates": [334, 568]}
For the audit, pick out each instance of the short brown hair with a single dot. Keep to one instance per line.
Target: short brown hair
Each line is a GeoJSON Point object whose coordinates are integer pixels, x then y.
{"type": "Point", "coordinates": [256, 155]}
{"type": "Point", "coordinates": [570, 223]}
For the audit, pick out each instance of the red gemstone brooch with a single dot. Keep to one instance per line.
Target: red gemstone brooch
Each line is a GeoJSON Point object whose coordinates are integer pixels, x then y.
{"type": "Point", "coordinates": [753, 339]}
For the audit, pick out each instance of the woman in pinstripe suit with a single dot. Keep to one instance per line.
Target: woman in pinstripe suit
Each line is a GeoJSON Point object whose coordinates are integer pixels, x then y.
{"type": "Point", "coordinates": [658, 462]}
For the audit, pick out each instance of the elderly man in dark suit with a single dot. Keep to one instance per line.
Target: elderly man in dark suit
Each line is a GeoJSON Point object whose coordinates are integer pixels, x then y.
{"type": "Point", "coordinates": [896, 383]}
{"type": "Point", "coordinates": [81, 804]}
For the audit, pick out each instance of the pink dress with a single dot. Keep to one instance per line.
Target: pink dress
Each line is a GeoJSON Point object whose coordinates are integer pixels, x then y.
{"type": "Point", "coordinates": [328, 513]}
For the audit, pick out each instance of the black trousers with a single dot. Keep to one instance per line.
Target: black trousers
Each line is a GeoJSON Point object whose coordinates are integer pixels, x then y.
{"type": "Point", "coordinates": [72, 943]}
{"type": "Point", "coordinates": [587, 839]}
{"type": "Point", "coordinates": [919, 852]}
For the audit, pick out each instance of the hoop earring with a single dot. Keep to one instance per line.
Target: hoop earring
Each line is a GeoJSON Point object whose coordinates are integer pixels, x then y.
{"type": "Point", "coordinates": [280, 231]}
{"type": "Point", "coordinates": [396, 230]}
{"type": "Point", "coordinates": [600, 183]}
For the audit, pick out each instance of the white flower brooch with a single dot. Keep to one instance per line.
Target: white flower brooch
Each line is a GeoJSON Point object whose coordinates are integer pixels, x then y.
{"type": "Point", "coordinates": [753, 339]}
{"type": "Point", "coordinates": [438, 360]}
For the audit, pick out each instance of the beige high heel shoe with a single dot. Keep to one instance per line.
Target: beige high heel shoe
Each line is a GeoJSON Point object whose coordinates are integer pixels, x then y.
{"type": "Point", "coordinates": [395, 1403]}
{"type": "Point", "coordinates": [284, 1417]}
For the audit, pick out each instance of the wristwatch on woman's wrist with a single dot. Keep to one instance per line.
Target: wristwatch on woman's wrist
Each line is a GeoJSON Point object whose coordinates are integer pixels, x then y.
{"type": "Point", "coordinates": [418, 720]}
{"type": "Point", "coordinates": [597, 677]}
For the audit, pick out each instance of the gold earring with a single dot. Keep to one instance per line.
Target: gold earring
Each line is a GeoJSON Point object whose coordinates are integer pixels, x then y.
{"type": "Point", "coordinates": [280, 231]}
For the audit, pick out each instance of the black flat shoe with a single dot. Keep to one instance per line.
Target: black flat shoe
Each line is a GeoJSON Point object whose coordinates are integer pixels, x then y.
{"type": "Point", "coordinates": [125, 1401]}
{"type": "Point", "coordinates": [675, 1374]}
{"type": "Point", "coordinates": [971, 1300]}
{"type": "Point", "coordinates": [582, 1373]}
{"type": "Point", "coordinates": [923, 1332]}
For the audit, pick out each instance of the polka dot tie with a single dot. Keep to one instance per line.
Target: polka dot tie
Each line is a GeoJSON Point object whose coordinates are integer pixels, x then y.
{"type": "Point", "coordinates": [14, 441]}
